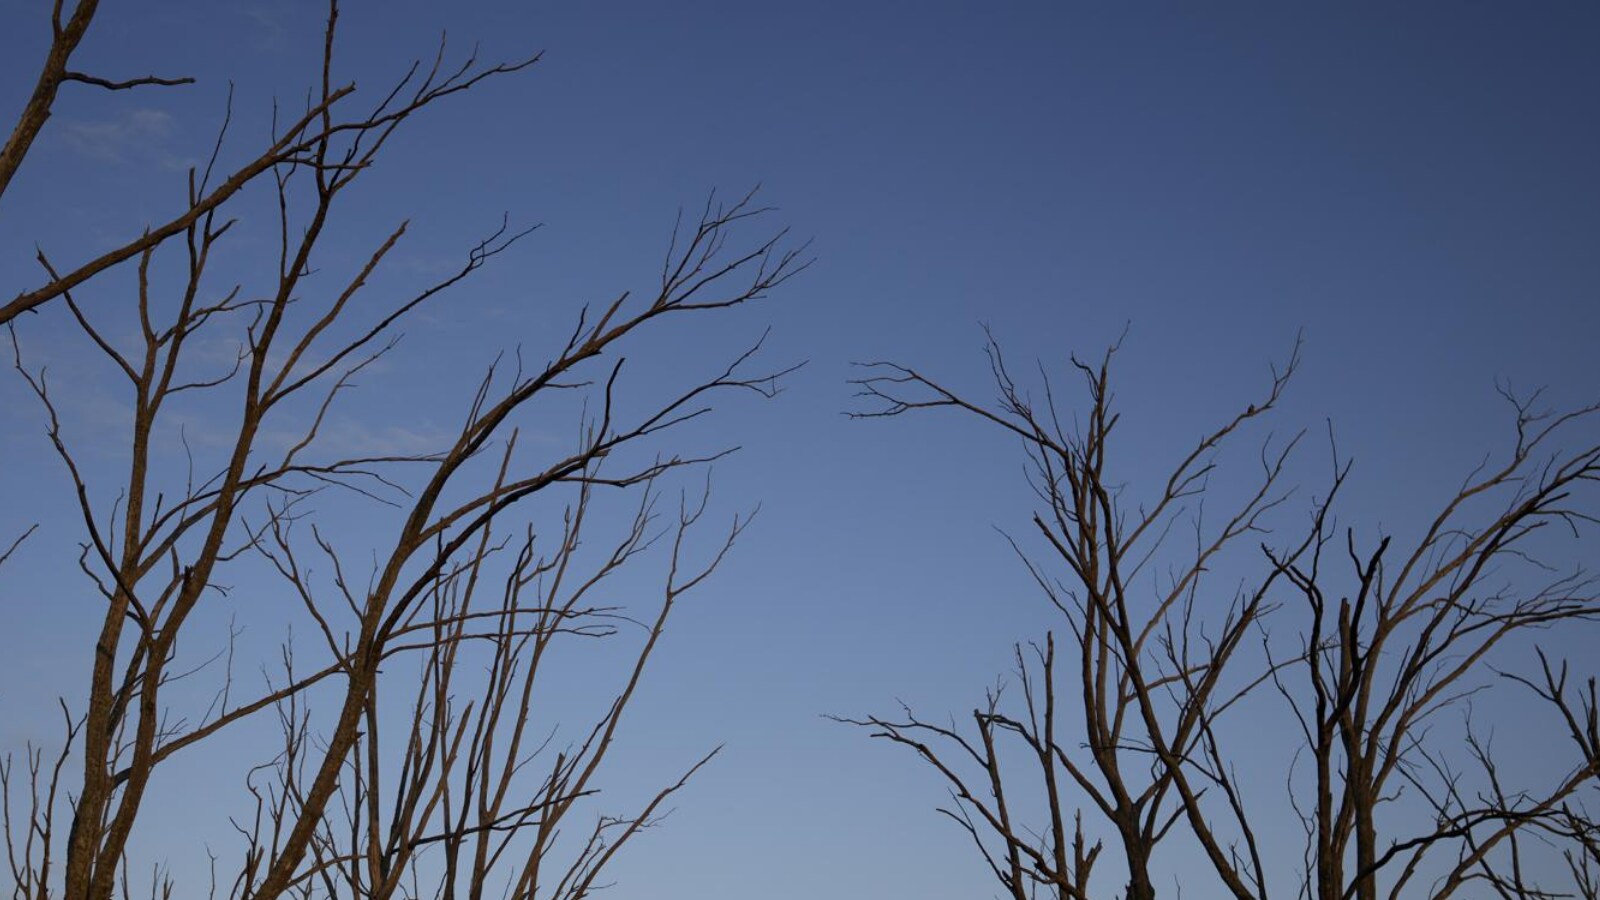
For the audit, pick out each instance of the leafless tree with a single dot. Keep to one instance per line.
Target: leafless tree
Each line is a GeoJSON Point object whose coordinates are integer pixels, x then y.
{"type": "Point", "coordinates": [1141, 730]}
{"type": "Point", "coordinates": [413, 755]}
{"type": "Point", "coordinates": [1409, 640]}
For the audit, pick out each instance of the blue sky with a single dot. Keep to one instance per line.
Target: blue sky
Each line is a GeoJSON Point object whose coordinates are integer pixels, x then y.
{"type": "Point", "coordinates": [1415, 189]}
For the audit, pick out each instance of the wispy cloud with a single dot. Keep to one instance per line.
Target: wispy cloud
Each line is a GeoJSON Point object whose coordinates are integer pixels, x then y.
{"type": "Point", "coordinates": [134, 134]}
{"type": "Point", "coordinates": [266, 24]}
{"type": "Point", "coordinates": [343, 437]}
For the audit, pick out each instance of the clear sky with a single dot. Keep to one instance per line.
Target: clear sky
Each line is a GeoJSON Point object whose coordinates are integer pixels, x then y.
{"type": "Point", "coordinates": [1414, 187]}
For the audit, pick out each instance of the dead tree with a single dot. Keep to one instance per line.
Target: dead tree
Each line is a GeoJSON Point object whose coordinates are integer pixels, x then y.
{"type": "Point", "coordinates": [460, 790]}
{"type": "Point", "coordinates": [1573, 824]}
{"type": "Point", "coordinates": [1141, 686]}
{"type": "Point", "coordinates": [1412, 635]}
{"type": "Point", "coordinates": [1135, 730]}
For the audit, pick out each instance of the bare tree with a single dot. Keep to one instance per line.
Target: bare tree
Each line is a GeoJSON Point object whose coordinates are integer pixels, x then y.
{"type": "Point", "coordinates": [413, 757]}
{"type": "Point", "coordinates": [1409, 640]}
{"type": "Point", "coordinates": [1137, 729]}
{"type": "Point", "coordinates": [1573, 824]}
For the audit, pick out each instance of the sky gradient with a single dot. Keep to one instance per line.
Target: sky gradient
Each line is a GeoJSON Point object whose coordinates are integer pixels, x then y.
{"type": "Point", "coordinates": [1414, 189]}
